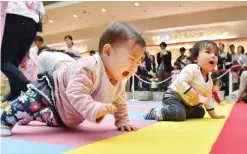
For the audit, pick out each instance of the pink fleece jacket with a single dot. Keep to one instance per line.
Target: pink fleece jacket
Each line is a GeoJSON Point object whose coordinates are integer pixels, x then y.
{"type": "Point", "coordinates": [82, 87]}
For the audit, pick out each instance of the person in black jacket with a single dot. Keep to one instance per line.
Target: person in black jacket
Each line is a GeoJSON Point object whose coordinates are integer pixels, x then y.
{"type": "Point", "coordinates": [224, 62]}
{"type": "Point", "coordinates": [224, 58]}
{"type": "Point", "coordinates": [164, 60]}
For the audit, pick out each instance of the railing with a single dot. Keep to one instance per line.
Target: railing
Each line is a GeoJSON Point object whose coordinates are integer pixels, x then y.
{"type": "Point", "coordinates": [171, 75]}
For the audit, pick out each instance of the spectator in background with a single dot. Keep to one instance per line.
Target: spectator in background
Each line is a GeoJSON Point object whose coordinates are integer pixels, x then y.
{"type": "Point", "coordinates": [233, 54]}
{"type": "Point", "coordinates": [70, 47]}
{"type": "Point", "coordinates": [39, 42]}
{"type": "Point", "coordinates": [224, 62]}
{"type": "Point", "coordinates": [240, 50]}
{"type": "Point", "coordinates": [21, 26]}
{"type": "Point", "coordinates": [142, 71]}
{"type": "Point", "coordinates": [224, 58]}
{"type": "Point", "coordinates": [237, 70]}
{"type": "Point", "coordinates": [92, 52]}
{"type": "Point", "coordinates": [153, 72]}
{"type": "Point", "coordinates": [32, 64]}
{"type": "Point", "coordinates": [241, 56]}
{"type": "Point", "coordinates": [164, 59]}
{"type": "Point", "coordinates": [153, 65]}
{"type": "Point", "coordinates": [238, 57]}
{"type": "Point", "coordinates": [176, 70]}
{"type": "Point", "coordinates": [182, 58]}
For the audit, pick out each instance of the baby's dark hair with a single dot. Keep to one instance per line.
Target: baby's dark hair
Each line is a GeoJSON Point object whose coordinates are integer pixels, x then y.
{"type": "Point", "coordinates": [117, 32]}
{"type": "Point", "coordinates": [217, 82]}
{"type": "Point", "coordinates": [198, 46]}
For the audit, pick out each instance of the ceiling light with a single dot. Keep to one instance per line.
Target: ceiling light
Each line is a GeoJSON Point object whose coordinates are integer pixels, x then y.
{"type": "Point", "coordinates": [136, 4]}
{"type": "Point", "coordinates": [75, 16]}
{"type": "Point", "coordinates": [103, 10]}
{"type": "Point", "coordinates": [50, 21]}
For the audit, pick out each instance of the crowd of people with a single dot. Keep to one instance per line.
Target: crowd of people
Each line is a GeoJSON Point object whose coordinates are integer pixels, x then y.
{"type": "Point", "coordinates": [152, 71]}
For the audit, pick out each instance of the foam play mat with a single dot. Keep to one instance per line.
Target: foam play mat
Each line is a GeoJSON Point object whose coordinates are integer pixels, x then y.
{"type": "Point", "coordinates": [197, 136]}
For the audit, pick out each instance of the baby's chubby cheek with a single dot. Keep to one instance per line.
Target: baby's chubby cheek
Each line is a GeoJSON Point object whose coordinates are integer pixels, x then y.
{"type": "Point", "coordinates": [132, 71]}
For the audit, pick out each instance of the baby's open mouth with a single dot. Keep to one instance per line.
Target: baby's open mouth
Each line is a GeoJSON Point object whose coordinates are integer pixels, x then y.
{"type": "Point", "coordinates": [125, 73]}
{"type": "Point", "coordinates": [211, 62]}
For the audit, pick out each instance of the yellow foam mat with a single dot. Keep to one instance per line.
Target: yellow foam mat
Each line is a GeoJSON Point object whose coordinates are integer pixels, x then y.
{"type": "Point", "coordinates": [190, 137]}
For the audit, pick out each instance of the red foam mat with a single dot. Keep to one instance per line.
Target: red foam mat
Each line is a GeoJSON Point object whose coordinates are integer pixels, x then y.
{"type": "Point", "coordinates": [233, 137]}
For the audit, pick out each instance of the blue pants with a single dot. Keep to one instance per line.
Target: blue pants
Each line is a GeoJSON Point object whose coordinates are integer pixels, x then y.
{"type": "Point", "coordinates": [174, 110]}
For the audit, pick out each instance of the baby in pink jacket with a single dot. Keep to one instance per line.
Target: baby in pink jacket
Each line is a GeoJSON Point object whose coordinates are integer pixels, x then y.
{"type": "Point", "coordinates": [87, 89]}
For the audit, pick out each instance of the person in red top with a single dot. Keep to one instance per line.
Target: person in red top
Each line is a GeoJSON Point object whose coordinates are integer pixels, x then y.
{"type": "Point", "coordinates": [217, 84]}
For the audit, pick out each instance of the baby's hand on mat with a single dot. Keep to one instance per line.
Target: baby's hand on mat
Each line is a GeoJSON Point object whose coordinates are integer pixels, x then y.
{"type": "Point", "coordinates": [127, 128]}
{"type": "Point", "coordinates": [106, 109]}
{"type": "Point", "coordinates": [217, 116]}
{"type": "Point", "coordinates": [214, 115]}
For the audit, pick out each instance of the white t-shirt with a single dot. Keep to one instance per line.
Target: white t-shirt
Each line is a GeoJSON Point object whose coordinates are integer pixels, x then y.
{"type": "Point", "coordinates": [175, 74]}
{"type": "Point", "coordinates": [72, 50]}
{"type": "Point", "coordinates": [234, 58]}
{"type": "Point", "coordinates": [243, 60]}
{"type": "Point", "coordinates": [191, 76]}
{"type": "Point", "coordinates": [30, 9]}
{"type": "Point", "coordinates": [48, 61]}
{"type": "Point", "coordinates": [33, 54]}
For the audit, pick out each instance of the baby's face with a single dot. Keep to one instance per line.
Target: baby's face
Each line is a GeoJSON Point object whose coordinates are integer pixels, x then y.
{"type": "Point", "coordinates": [123, 61]}
{"type": "Point", "coordinates": [207, 58]}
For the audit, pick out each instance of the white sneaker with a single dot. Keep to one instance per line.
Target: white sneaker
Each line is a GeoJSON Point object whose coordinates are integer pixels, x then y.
{"type": "Point", "coordinates": [158, 114]}
{"type": "Point", "coordinates": [154, 114]}
{"type": "Point", "coordinates": [5, 130]}
{"type": "Point", "coordinates": [231, 98]}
